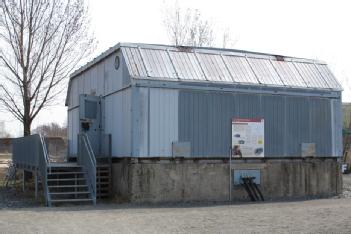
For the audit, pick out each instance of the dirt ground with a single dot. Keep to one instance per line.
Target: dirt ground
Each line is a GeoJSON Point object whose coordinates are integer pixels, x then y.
{"type": "Point", "coordinates": [312, 216]}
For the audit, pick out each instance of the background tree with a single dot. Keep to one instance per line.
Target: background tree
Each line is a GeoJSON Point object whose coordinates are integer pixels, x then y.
{"type": "Point", "coordinates": [52, 130]}
{"type": "Point", "coordinates": [188, 27]}
{"type": "Point", "coordinates": [41, 43]}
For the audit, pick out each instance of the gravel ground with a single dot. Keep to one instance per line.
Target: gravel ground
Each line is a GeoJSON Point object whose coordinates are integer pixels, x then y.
{"type": "Point", "coordinates": [312, 216]}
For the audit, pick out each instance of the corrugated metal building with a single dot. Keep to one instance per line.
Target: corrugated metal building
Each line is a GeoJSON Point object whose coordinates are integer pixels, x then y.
{"type": "Point", "coordinates": [157, 96]}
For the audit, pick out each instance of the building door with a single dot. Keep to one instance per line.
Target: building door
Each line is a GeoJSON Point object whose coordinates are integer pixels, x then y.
{"type": "Point", "coordinates": [90, 120]}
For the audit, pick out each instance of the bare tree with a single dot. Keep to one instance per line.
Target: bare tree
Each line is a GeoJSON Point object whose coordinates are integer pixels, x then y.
{"type": "Point", "coordinates": [41, 43]}
{"type": "Point", "coordinates": [187, 27]}
{"type": "Point", "coordinates": [227, 40]}
{"type": "Point", "coordinates": [51, 130]}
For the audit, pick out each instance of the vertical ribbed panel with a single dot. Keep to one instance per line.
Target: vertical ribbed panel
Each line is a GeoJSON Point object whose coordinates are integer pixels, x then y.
{"type": "Point", "coordinates": [337, 116]}
{"type": "Point", "coordinates": [134, 62]}
{"type": "Point", "coordinates": [73, 130]}
{"type": "Point", "coordinates": [187, 66]}
{"type": "Point", "coordinates": [289, 74]}
{"type": "Point", "coordinates": [320, 126]}
{"type": "Point", "coordinates": [163, 121]}
{"type": "Point", "coordinates": [214, 67]}
{"type": "Point", "coordinates": [311, 75]}
{"type": "Point", "coordinates": [159, 64]}
{"type": "Point", "coordinates": [240, 69]}
{"type": "Point", "coordinates": [265, 71]}
{"type": "Point", "coordinates": [205, 122]}
{"type": "Point", "coordinates": [118, 122]}
{"type": "Point", "coordinates": [274, 122]}
{"type": "Point", "coordinates": [297, 124]}
{"type": "Point", "coordinates": [328, 76]}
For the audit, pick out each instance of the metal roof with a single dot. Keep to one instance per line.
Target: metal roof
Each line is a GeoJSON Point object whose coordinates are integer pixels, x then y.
{"type": "Point", "coordinates": [222, 66]}
{"type": "Point", "coordinates": [226, 66]}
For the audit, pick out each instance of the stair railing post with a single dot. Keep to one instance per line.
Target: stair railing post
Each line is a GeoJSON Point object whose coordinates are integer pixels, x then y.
{"type": "Point", "coordinates": [36, 184]}
{"type": "Point", "coordinates": [23, 180]}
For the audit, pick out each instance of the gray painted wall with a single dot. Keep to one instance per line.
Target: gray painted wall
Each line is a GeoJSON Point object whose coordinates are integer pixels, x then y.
{"type": "Point", "coordinates": [205, 122]}
{"type": "Point", "coordinates": [163, 116]}
{"type": "Point", "coordinates": [104, 80]}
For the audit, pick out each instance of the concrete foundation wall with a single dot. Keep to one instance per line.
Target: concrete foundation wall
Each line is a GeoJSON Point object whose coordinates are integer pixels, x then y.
{"type": "Point", "coordinates": [208, 180]}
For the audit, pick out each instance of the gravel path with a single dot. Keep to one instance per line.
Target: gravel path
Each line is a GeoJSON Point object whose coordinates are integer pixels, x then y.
{"type": "Point", "coordinates": [315, 216]}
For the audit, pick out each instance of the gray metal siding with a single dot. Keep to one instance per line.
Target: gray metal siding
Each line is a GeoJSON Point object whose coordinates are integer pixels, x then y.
{"type": "Point", "coordinates": [274, 122]}
{"type": "Point", "coordinates": [336, 123]}
{"type": "Point", "coordinates": [205, 122]}
{"type": "Point", "coordinates": [297, 124]}
{"type": "Point", "coordinates": [321, 131]}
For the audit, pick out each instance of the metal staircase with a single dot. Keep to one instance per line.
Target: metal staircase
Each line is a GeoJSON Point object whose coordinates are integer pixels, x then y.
{"type": "Point", "coordinates": [80, 182]}
{"type": "Point", "coordinates": [67, 183]}
{"type": "Point", "coordinates": [103, 181]}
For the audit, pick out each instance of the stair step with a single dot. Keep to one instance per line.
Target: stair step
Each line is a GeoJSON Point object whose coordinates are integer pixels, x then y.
{"type": "Point", "coordinates": [72, 200]}
{"type": "Point", "coordinates": [100, 171]}
{"type": "Point", "coordinates": [103, 189]}
{"type": "Point", "coordinates": [65, 172]}
{"type": "Point", "coordinates": [102, 183]}
{"type": "Point", "coordinates": [65, 179]}
{"type": "Point", "coordinates": [64, 167]}
{"type": "Point", "coordinates": [66, 193]}
{"type": "Point", "coordinates": [68, 186]}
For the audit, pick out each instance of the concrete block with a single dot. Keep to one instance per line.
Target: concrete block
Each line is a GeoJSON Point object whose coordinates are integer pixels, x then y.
{"type": "Point", "coordinates": [188, 180]}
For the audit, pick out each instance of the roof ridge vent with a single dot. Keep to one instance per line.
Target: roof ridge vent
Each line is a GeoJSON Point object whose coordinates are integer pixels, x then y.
{"type": "Point", "coordinates": [279, 58]}
{"type": "Point", "coordinates": [184, 48]}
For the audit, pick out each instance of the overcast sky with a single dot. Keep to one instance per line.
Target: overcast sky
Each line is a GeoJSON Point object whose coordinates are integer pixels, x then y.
{"type": "Point", "coordinates": [312, 29]}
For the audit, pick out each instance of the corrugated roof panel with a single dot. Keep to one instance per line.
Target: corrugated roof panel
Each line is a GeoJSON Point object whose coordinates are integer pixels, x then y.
{"type": "Point", "coordinates": [159, 63]}
{"type": "Point", "coordinates": [214, 67]}
{"type": "Point", "coordinates": [289, 74]}
{"type": "Point", "coordinates": [265, 71]}
{"type": "Point", "coordinates": [217, 66]}
{"type": "Point", "coordinates": [187, 66]}
{"type": "Point", "coordinates": [310, 75]}
{"type": "Point", "coordinates": [134, 62]}
{"type": "Point", "coordinates": [328, 76]}
{"type": "Point", "coordinates": [240, 69]}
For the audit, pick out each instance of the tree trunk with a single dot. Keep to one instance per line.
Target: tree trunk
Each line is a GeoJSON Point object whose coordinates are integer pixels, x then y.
{"type": "Point", "coordinates": [26, 129]}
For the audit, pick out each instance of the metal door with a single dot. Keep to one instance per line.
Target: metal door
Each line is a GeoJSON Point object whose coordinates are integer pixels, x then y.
{"type": "Point", "coordinates": [90, 120]}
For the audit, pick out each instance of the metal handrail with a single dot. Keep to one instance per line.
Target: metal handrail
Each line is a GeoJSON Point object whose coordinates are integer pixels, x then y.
{"type": "Point", "coordinates": [43, 168]}
{"type": "Point", "coordinates": [86, 158]}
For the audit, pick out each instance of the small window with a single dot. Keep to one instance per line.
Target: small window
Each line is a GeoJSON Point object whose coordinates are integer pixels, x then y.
{"type": "Point", "coordinates": [90, 109]}
{"type": "Point", "coordinates": [117, 62]}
